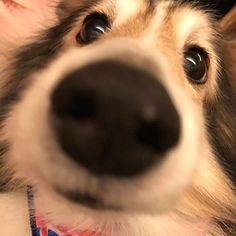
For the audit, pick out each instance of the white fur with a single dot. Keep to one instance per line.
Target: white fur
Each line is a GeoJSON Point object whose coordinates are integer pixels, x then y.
{"type": "Point", "coordinates": [127, 9]}
{"type": "Point", "coordinates": [14, 214]}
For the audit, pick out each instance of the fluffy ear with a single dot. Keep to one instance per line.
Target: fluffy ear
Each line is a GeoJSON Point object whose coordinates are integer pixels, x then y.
{"type": "Point", "coordinates": [228, 25]}
{"type": "Point", "coordinates": [228, 31]}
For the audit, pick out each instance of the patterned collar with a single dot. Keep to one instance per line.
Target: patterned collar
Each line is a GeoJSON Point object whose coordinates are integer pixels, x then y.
{"type": "Point", "coordinates": [40, 226]}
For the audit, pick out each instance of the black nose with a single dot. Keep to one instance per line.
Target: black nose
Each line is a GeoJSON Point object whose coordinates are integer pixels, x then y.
{"type": "Point", "coordinates": [114, 119]}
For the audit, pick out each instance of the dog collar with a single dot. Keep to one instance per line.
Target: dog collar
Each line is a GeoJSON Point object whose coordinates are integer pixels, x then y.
{"type": "Point", "coordinates": [41, 227]}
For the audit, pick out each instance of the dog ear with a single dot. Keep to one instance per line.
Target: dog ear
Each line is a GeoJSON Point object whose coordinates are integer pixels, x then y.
{"type": "Point", "coordinates": [228, 31]}
{"type": "Point", "coordinates": [228, 25]}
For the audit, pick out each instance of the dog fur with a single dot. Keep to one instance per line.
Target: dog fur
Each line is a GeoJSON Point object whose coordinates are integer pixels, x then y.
{"type": "Point", "coordinates": [198, 202]}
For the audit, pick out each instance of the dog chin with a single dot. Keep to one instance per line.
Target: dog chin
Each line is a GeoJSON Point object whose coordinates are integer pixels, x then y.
{"type": "Point", "coordinates": [88, 201]}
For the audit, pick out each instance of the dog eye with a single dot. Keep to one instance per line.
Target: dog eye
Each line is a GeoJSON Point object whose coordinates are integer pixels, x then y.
{"type": "Point", "coordinates": [93, 27]}
{"type": "Point", "coordinates": [196, 65]}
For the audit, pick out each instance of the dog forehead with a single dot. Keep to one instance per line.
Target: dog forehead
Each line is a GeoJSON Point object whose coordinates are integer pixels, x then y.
{"type": "Point", "coordinates": [122, 8]}
{"type": "Point", "coordinates": [171, 17]}
{"type": "Point", "coordinates": [182, 12]}
{"type": "Point", "coordinates": [125, 9]}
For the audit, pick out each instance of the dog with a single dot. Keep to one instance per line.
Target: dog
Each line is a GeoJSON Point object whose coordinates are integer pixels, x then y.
{"type": "Point", "coordinates": [120, 120]}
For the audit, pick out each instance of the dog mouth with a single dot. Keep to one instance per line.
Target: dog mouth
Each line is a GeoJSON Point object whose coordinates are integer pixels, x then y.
{"type": "Point", "coordinates": [87, 200]}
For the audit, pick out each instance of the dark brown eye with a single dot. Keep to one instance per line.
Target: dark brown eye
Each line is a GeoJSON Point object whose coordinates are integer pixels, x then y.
{"type": "Point", "coordinates": [196, 65]}
{"type": "Point", "coordinates": [93, 27]}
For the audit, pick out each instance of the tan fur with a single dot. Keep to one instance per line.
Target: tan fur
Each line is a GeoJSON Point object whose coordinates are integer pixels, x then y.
{"type": "Point", "coordinates": [228, 26]}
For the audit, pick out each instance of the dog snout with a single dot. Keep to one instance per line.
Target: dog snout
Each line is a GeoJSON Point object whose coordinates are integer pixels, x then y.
{"type": "Point", "coordinates": [114, 119]}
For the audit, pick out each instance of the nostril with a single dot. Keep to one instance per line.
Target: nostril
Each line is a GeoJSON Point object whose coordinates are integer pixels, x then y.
{"type": "Point", "coordinates": [82, 107]}
{"type": "Point", "coordinates": [75, 103]}
{"type": "Point", "coordinates": [149, 135]}
{"type": "Point", "coordinates": [160, 136]}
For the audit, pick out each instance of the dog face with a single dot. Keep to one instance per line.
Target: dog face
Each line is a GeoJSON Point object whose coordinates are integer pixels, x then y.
{"type": "Point", "coordinates": [113, 100]}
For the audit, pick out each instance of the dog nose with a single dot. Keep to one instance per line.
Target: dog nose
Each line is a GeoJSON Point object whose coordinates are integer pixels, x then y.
{"type": "Point", "coordinates": [114, 119]}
